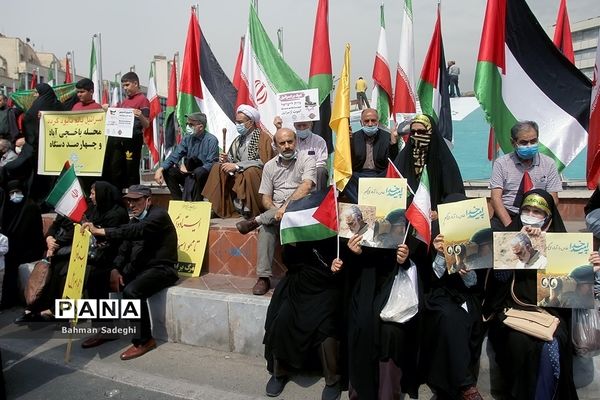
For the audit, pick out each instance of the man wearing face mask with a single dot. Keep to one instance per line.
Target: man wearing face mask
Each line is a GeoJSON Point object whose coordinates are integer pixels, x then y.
{"type": "Point", "coordinates": [146, 260]}
{"type": "Point", "coordinates": [508, 172]}
{"type": "Point", "coordinates": [371, 148]}
{"type": "Point", "coordinates": [232, 185]}
{"type": "Point", "coordinates": [314, 146]}
{"type": "Point", "coordinates": [289, 176]}
{"type": "Point", "coordinates": [200, 149]}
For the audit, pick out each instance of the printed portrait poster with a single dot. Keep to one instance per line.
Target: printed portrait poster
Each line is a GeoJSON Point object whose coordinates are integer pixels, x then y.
{"type": "Point", "coordinates": [299, 105]}
{"type": "Point", "coordinates": [518, 250]}
{"type": "Point", "coordinates": [568, 280]}
{"type": "Point", "coordinates": [386, 194]}
{"type": "Point", "coordinates": [377, 232]}
{"type": "Point", "coordinates": [467, 234]}
{"type": "Point", "coordinates": [76, 136]}
{"type": "Point", "coordinates": [192, 221]}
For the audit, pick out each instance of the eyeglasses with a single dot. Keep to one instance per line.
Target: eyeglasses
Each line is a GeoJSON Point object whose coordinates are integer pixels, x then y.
{"type": "Point", "coordinates": [419, 131]}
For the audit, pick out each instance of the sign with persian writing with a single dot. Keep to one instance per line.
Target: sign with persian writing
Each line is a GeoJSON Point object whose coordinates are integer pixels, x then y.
{"type": "Point", "coordinates": [119, 122]}
{"type": "Point", "coordinates": [192, 221]}
{"type": "Point", "coordinates": [386, 194]}
{"type": "Point", "coordinates": [76, 136]}
{"type": "Point", "coordinates": [300, 105]}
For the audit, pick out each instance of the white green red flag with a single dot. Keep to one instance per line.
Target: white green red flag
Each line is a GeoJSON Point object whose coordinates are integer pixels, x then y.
{"type": "Point", "coordinates": [310, 218]}
{"type": "Point", "coordinates": [419, 211]}
{"type": "Point", "coordinates": [67, 197]}
{"type": "Point", "coordinates": [381, 97]}
{"type": "Point", "coordinates": [151, 134]}
{"type": "Point", "coordinates": [94, 76]}
{"type": "Point", "coordinates": [264, 72]}
{"type": "Point", "coordinates": [170, 127]}
{"type": "Point", "coordinates": [404, 94]}
{"type": "Point", "coordinates": [521, 75]}
{"type": "Point", "coordinates": [433, 92]}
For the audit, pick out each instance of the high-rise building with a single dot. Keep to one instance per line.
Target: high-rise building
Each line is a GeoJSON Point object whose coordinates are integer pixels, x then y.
{"type": "Point", "coordinates": [585, 42]}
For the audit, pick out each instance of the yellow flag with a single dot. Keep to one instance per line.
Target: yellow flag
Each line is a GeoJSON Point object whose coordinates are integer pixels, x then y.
{"type": "Point", "coordinates": [340, 124]}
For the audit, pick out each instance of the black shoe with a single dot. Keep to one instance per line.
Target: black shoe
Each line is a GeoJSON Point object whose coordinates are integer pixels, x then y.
{"type": "Point", "coordinates": [275, 385]}
{"type": "Point", "coordinates": [333, 392]}
{"type": "Point", "coordinates": [26, 318]}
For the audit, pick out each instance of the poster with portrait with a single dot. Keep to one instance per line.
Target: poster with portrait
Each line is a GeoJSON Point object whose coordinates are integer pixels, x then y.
{"type": "Point", "coordinates": [568, 281]}
{"type": "Point", "coordinates": [518, 250]}
{"type": "Point", "coordinates": [192, 221]}
{"type": "Point", "coordinates": [467, 234]}
{"type": "Point", "coordinates": [74, 136]}
{"type": "Point", "coordinates": [387, 232]}
{"type": "Point", "coordinates": [386, 194]}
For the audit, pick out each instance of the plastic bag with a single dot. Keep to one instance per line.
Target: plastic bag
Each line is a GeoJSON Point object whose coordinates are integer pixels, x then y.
{"type": "Point", "coordinates": [585, 331]}
{"type": "Point", "coordinates": [403, 302]}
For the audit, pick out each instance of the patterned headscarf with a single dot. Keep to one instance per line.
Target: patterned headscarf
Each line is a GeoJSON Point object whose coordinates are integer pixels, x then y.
{"type": "Point", "coordinates": [420, 143]}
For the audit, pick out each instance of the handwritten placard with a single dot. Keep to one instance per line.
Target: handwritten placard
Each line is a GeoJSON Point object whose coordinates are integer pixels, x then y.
{"type": "Point", "coordinates": [77, 263]}
{"type": "Point", "coordinates": [192, 221]}
{"type": "Point", "coordinates": [119, 122]}
{"type": "Point", "coordinates": [300, 105]}
{"type": "Point", "coordinates": [386, 194]}
{"type": "Point", "coordinates": [77, 136]}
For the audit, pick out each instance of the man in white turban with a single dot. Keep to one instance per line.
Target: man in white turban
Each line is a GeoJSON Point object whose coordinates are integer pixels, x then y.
{"type": "Point", "coordinates": [233, 182]}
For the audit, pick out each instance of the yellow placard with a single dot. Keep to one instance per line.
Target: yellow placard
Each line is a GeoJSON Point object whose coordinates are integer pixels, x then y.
{"type": "Point", "coordinates": [566, 251]}
{"type": "Point", "coordinates": [77, 264]}
{"type": "Point", "coordinates": [467, 234]}
{"type": "Point", "coordinates": [76, 136]}
{"type": "Point", "coordinates": [386, 194]}
{"type": "Point", "coordinates": [192, 221]}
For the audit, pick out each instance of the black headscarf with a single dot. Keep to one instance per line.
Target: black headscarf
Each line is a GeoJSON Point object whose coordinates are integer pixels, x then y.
{"type": "Point", "coordinates": [443, 171]}
{"type": "Point", "coordinates": [46, 101]}
{"type": "Point", "coordinates": [108, 198]}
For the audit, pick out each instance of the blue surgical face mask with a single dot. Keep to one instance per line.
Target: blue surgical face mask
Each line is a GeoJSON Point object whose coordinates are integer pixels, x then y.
{"type": "Point", "coordinates": [370, 130]}
{"type": "Point", "coordinates": [144, 213]}
{"type": "Point", "coordinates": [303, 133]}
{"type": "Point", "coordinates": [289, 155]}
{"type": "Point", "coordinates": [527, 152]}
{"type": "Point", "coordinates": [241, 128]}
{"type": "Point", "coordinates": [16, 197]}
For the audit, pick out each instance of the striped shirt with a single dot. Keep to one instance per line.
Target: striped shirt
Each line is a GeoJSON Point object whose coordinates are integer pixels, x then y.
{"type": "Point", "coordinates": [508, 172]}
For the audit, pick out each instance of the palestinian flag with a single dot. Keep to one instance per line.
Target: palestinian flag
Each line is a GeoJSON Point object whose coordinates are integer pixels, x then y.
{"type": "Point", "coordinates": [404, 96]}
{"type": "Point", "coordinates": [521, 75]}
{"type": "Point", "coordinates": [67, 197]}
{"type": "Point", "coordinates": [419, 211]}
{"type": "Point", "coordinates": [264, 72]}
{"type": "Point", "coordinates": [170, 127]}
{"type": "Point", "coordinates": [593, 152]}
{"type": "Point", "coordinates": [433, 85]}
{"type": "Point", "coordinates": [562, 32]}
{"type": "Point", "coordinates": [151, 134]}
{"type": "Point", "coordinates": [310, 218]}
{"type": "Point", "coordinates": [392, 171]}
{"type": "Point", "coordinates": [320, 76]}
{"type": "Point", "coordinates": [94, 76]}
{"type": "Point", "coordinates": [204, 86]}
{"type": "Point", "coordinates": [381, 97]}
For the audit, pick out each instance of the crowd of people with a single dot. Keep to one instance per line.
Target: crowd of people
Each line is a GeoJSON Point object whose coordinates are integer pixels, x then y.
{"type": "Point", "coordinates": [325, 312]}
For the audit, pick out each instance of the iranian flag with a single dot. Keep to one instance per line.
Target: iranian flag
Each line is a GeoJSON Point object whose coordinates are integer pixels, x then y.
{"type": "Point", "coordinates": [94, 76]}
{"type": "Point", "coordinates": [593, 151]}
{"type": "Point", "coordinates": [419, 211]}
{"type": "Point", "coordinates": [381, 97]}
{"type": "Point", "coordinates": [51, 78]}
{"type": "Point", "coordinates": [404, 96]}
{"type": "Point", "coordinates": [67, 197]}
{"type": "Point", "coordinates": [433, 85]}
{"type": "Point", "coordinates": [151, 133]}
{"type": "Point", "coordinates": [170, 127]}
{"type": "Point", "coordinates": [313, 217]}
{"type": "Point", "coordinates": [562, 32]}
{"type": "Point", "coordinates": [521, 75]}
{"type": "Point", "coordinates": [205, 87]}
{"type": "Point", "coordinates": [264, 72]}
{"type": "Point", "coordinates": [114, 97]}
{"type": "Point", "coordinates": [320, 76]}
{"type": "Point", "coordinates": [68, 78]}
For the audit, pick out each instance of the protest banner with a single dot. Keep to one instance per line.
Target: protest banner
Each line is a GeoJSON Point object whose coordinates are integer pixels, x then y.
{"type": "Point", "coordinates": [76, 136]}
{"type": "Point", "coordinates": [77, 264]}
{"type": "Point", "coordinates": [192, 221]}
{"type": "Point", "coordinates": [386, 194]}
{"type": "Point", "coordinates": [299, 105]}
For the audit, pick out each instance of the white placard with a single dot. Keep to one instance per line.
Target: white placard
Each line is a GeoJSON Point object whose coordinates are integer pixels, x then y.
{"type": "Point", "coordinates": [300, 105]}
{"type": "Point", "coordinates": [119, 122]}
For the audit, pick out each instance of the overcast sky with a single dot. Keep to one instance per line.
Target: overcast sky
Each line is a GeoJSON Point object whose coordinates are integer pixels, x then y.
{"type": "Point", "coordinates": [135, 30]}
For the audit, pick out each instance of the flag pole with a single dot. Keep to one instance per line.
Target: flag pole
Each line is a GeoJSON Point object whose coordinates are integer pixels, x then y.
{"type": "Point", "coordinates": [337, 218]}
{"type": "Point", "coordinates": [406, 233]}
{"type": "Point", "coordinates": [98, 37]}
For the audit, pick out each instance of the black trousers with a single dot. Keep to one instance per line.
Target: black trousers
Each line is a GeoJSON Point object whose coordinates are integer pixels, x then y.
{"type": "Point", "coordinates": [122, 161]}
{"type": "Point", "coordinates": [192, 183]}
{"type": "Point", "coordinates": [143, 285]}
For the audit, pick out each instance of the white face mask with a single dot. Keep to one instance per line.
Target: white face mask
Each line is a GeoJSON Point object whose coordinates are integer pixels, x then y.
{"type": "Point", "coordinates": [530, 220]}
{"type": "Point", "coordinates": [16, 197]}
